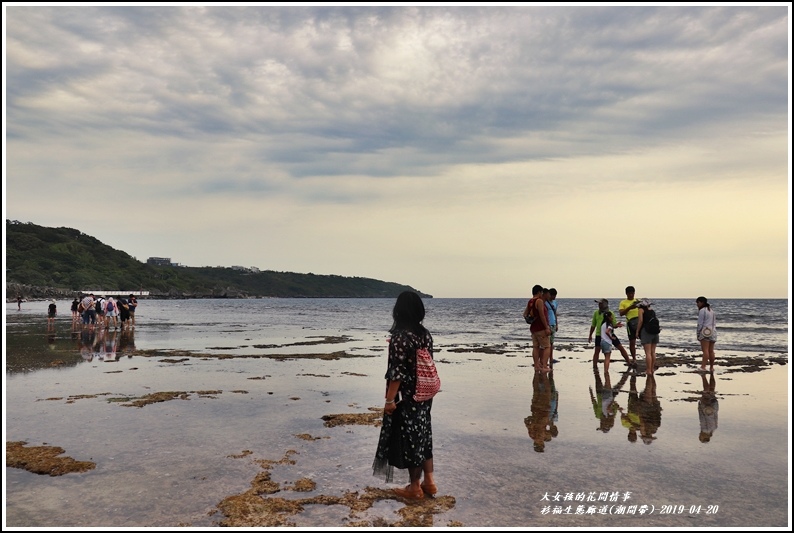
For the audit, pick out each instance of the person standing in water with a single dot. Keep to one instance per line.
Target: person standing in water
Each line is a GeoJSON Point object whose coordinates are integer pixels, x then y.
{"type": "Point", "coordinates": [706, 332]}
{"type": "Point", "coordinates": [628, 308]}
{"type": "Point", "coordinates": [52, 310]}
{"type": "Point", "coordinates": [406, 437]}
{"type": "Point", "coordinates": [648, 329]}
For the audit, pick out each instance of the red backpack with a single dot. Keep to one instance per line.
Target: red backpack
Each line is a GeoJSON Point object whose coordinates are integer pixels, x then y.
{"type": "Point", "coordinates": [427, 381]}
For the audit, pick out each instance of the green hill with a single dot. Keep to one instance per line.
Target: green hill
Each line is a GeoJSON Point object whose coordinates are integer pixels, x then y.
{"type": "Point", "coordinates": [68, 260]}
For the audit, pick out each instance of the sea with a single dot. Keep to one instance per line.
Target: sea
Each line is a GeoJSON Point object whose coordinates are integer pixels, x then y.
{"type": "Point", "coordinates": [752, 326]}
{"type": "Point", "coordinates": [256, 373]}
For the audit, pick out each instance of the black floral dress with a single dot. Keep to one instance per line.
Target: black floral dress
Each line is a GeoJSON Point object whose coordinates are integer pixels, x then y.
{"type": "Point", "coordinates": [406, 436]}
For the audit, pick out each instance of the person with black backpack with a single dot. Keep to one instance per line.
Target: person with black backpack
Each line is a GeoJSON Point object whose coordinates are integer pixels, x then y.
{"type": "Point", "coordinates": [648, 329]}
{"type": "Point", "coordinates": [99, 307]}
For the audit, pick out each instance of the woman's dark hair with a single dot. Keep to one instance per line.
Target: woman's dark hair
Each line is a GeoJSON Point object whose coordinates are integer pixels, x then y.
{"type": "Point", "coordinates": [408, 313]}
{"type": "Point", "coordinates": [703, 300]}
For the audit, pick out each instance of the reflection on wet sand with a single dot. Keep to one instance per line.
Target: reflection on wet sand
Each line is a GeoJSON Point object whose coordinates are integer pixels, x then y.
{"type": "Point", "coordinates": [605, 408]}
{"type": "Point", "coordinates": [103, 344]}
{"type": "Point", "coordinates": [630, 419]}
{"type": "Point", "coordinates": [649, 410]}
{"type": "Point", "coordinates": [85, 344]}
{"type": "Point", "coordinates": [127, 342]}
{"type": "Point", "coordinates": [540, 423]}
{"type": "Point", "coordinates": [708, 407]}
{"type": "Point", "coordinates": [108, 344]}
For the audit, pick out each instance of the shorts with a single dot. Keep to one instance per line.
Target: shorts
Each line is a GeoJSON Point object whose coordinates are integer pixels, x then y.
{"type": "Point", "coordinates": [648, 338]}
{"type": "Point", "coordinates": [51, 315]}
{"type": "Point", "coordinates": [631, 326]}
{"type": "Point", "coordinates": [540, 340]}
{"type": "Point", "coordinates": [553, 333]}
{"type": "Point", "coordinates": [606, 347]}
{"type": "Point", "coordinates": [112, 314]}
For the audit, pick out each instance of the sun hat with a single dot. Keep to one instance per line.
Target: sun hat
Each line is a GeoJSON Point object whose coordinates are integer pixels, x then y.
{"type": "Point", "coordinates": [645, 302]}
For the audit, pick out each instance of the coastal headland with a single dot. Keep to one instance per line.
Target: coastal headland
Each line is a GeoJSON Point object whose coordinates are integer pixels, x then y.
{"type": "Point", "coordinates": [45, 263]}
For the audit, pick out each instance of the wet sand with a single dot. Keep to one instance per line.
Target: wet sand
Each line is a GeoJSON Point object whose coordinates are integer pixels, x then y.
{"type": "Point", "coordinates": [192, 439]}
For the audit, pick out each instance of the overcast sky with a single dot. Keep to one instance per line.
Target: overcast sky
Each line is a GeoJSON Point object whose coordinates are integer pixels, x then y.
{"type": "Point", "coordinates": [465, 151]}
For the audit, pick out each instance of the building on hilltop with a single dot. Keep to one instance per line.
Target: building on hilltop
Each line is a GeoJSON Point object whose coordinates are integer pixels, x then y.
{"type": "Point", "coordinates": [159, 261]}
{"type": "Point", "coordinates": [245, 269]}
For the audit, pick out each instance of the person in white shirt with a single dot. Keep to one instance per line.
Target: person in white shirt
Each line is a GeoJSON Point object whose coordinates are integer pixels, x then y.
{"type": "Point", "coordinates": [606, 338]}
{"type": "Point", "coordinates": [707, 332]}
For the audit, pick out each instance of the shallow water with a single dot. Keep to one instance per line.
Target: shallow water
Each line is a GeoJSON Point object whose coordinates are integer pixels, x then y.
{"type": "Point", "coordinates": [169, 463]}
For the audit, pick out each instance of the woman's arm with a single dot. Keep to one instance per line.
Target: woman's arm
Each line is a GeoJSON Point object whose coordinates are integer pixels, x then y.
{"type": "Point", "coordinates": [391, 396]}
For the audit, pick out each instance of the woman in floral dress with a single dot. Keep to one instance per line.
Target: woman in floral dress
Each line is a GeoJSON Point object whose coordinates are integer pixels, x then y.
{"type": "Point", "coordinates": [406, 437]}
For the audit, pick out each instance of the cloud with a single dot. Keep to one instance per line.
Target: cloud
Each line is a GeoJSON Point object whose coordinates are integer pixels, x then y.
{"type": "Point", "coordinates": [473, 112]}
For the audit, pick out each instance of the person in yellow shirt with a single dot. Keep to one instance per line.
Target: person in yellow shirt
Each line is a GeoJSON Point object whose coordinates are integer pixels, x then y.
{"type": "Point", "coordinates": [628, 309]}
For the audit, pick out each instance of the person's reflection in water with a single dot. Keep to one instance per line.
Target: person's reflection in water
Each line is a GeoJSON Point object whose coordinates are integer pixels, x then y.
{"type": "Point", "coordinates": [99, 345]}
{"type": "Point", "coordinates": [555, 396]}
{"type": "Point", "coordinates": [630, 419]}
{"type": "Point", "coordinates": [110, 346]}
{"type": "Point", "coordinates": [539, 419]}
{"type": "Point", "coordinates": [76, 327]}
{"type": "Point", "coordinates": [605, 407]}
{"type": "Point", "coordinates": [649, 410]}
{"type": "Point", "coordinates": [86, 344]}
{"type": "Point", "coordinates": [50, 332]}
{"type": "Point", "coordinates": [126, 345]}
{"type": "Point", "coordinates": [708, 406]}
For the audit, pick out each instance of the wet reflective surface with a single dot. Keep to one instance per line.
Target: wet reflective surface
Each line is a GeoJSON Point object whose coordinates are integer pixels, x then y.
{"type": "Point", "coordinates": [514, 449]}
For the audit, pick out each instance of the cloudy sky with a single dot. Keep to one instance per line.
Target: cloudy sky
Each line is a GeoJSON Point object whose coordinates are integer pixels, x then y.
{"type": "Point", "coordinates": [466, 151]}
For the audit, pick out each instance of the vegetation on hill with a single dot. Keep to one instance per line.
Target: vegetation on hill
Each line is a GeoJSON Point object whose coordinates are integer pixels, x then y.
{"type": "Point", "coordinates": [67, 259]}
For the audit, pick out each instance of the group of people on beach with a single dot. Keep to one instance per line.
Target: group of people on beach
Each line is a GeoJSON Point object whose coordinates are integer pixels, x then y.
{"type": "Point", "coordinates": [541, 315]}
{"type": "Point", "coordinates": [406, 438]}
{"type": "Point", "coordinates": [641, 323]}
{"type": "Point", "coordinates": [406, 434]}
{"type": "Point", "coordinates": [101, 312]}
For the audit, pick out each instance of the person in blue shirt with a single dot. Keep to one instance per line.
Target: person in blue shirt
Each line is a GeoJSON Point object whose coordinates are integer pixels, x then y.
{"type": "Point", "coordinates": [550, 297]}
